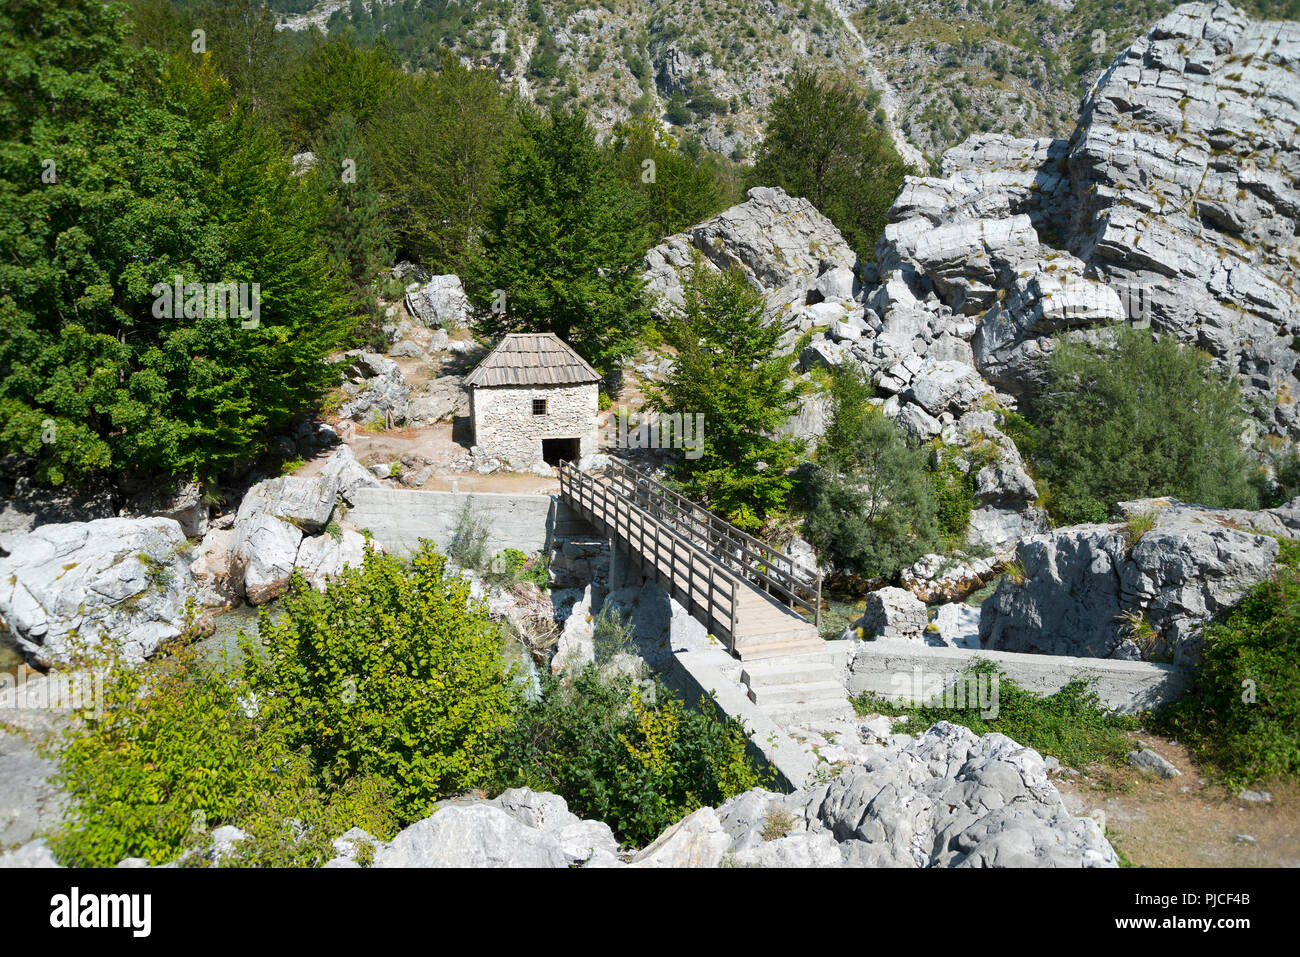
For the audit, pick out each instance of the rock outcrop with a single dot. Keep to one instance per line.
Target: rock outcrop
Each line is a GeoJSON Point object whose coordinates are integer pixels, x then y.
{"type": "Point", "coordinates": [66, 584]}
{"type": "Point", "coordinates": [1094, 591]}
{"type": "Point", "coordinates": [1172, 205]}
{"type": "Point", "coordinates": [376, 389]}
{"type": "Point", "coordinates": [438, 302]}
{"type": "Point", "coordinates": [519, 828]}
{"type": "Point", "coordinates": [287, 523]}
{"type": "Point", "coordinates": [891, 614]}
{"type": "Point", "coordinates": [782, 243]}
{"type": "Point", "coordinates": [269, 528]}
{"type": "Point", "coordinates": [947, 799]}
{"type": "Point", "coordinates": [29, 803]}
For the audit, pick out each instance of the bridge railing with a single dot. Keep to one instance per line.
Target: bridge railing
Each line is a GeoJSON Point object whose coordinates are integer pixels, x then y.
{"type": "Point", "coordinates": [777, 573]}
{"type": "Point", "coordinates": [771, 570]}
{"type": "Point", "coordinates": [690, 575]}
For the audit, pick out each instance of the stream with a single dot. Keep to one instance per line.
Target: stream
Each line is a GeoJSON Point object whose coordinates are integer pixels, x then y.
{"type": "Point", "coordinates": [10, 656]}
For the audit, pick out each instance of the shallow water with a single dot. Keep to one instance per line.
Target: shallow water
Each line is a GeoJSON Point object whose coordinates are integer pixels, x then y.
{"type": "Point", "coordinates": [838, 614]}
{"type": "Point", "coordinates": [10, 656]}
{"type": "Point", "coordinates": [518, 657]}
{"type": "Point", "coordinates": [224, 642]}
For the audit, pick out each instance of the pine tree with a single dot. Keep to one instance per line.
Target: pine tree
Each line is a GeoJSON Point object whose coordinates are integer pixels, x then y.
{"type": "Point", "coordinates": [730, 369]}
{"type": "Point", "coordinates": [564, 243]}
{"type": "Point", "coordinates": [353, 226]}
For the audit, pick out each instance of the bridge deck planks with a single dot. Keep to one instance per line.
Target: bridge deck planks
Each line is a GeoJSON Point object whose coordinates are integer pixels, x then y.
{"type": "Point", "coordinates": [687, 571]}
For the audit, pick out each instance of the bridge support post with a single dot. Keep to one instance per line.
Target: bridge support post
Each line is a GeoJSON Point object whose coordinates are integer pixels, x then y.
{"type": "Point", "coordinates": [623, 570]}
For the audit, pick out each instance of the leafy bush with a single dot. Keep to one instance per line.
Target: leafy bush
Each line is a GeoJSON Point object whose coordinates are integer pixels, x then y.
{"type": "Point", "coordinates": [181, 747]}
{"type": "Point", "coordinates": [1070, 725]}
{"type": "Point", "coordinates": [173, 742]}
{"type": "Point", "coordinates": [1242, 715]}
{"type": "Point", "coordinates": [391, 672]}
{"type": "Point", "coordinates": [954, 492]}
{"type": "Point", "coordinates": [880, 513]}
{"type": "Point", "coordinates": [1116, 436]}
{"type": "Point", "coordinates": [634, 760]}
{"type": "Point", "coordinates": [677, 112]}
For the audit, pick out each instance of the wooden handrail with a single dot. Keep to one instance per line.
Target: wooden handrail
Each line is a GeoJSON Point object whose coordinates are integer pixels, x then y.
{"type": "Point", "coordinates": [593, 500]}
{"type": "Point", "coordinates": [718, 542]}
{"type": "Point", "coordinates": [743, 553]}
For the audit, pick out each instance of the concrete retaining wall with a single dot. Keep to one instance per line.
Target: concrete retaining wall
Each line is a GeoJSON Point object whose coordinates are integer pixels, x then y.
{"type": "Point", "coordinates": [694, 671]}
{"type": "Point", "coordinates": [399, 518]}
{"type": "Point", "coordinates": [699, 665]}
{"type": "Point", "coordinates": [923, 671]}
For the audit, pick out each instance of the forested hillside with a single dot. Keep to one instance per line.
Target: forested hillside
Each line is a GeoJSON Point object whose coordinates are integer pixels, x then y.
{"type": "Point", "coordinates": [942, 68]}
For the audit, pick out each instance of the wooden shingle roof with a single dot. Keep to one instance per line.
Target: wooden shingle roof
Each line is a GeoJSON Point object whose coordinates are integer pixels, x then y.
{"type": "Point", "coordinates": [535, 358]}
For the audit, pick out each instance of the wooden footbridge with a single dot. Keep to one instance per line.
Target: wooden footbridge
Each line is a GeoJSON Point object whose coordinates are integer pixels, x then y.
{"type": "Point", "coordinates": [761, 602]}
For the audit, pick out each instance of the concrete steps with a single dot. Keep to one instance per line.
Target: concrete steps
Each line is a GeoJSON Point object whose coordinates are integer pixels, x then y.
{"type": "Point", "coordinates": [778, 646]}
{"type": "Point", "coordinates": [773, 672]}
{"type": "Point", "coordinates": [802, 714]}
{"type": "Point", "coordinates": [803, 692]}
{"type": "Point", "coordinates": [798, 688]}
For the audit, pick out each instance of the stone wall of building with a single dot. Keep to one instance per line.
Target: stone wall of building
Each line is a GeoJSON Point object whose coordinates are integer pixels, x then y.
{"type": "Point", "coordinates": [506, 428]}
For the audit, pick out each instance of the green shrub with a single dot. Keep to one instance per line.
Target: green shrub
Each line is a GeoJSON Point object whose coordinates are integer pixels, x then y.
{"type": "Point", "coordinates": [1110, 432]}
{"type": "Point", "coordinates": [507, 564]}
{"type": "Point", "coordinates": [181, 748]}
{"type": "Point", "coordinates": [954, 493]}
{"type": "Point", "coordinates": [617, 754]}
{"type": "Point", "coordinates": [881, 514]}
{"type": "Point", "coordinates": [612, 634]}
{"type": "Point", "coordinates": [172, 743]}
{"type": "Point", "coordinates": [1070, 724]}
{"type": "Point", "coordinates": [391, 672]}
{"type": "Point", "coordinates": [468, 545]}
{"type": "Point", "coordinates": [1242, 715]}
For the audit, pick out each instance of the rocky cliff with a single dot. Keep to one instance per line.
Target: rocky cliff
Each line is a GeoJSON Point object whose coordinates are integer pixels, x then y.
{"type": "Point", "coordinates": [1173, 204]}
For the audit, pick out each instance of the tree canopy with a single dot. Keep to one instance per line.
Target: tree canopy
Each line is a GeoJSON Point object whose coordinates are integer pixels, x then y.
{"type": "Point", "coordinates": [822, 143]}
{"type": "Point", "coordinates": [1138, 416]}
{"type": "Point", "coordinates": [563, 243]}
{"type": "Point", "coordinates": [730, 369]}
{"type": "Point", "coordinates": [117, 176]}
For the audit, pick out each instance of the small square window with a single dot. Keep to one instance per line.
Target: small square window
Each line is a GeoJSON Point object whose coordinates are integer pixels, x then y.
{"type": "Point", "coordinates": [539, 406]}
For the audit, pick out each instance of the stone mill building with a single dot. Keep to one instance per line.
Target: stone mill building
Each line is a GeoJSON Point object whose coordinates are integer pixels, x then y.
{"type": "Point", "coordinates": [533, 400]}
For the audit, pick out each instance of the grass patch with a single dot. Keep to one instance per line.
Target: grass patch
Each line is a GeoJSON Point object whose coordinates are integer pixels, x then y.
{"type": "Point", "coordinates": [1071, 724]}
{"type": "Point", "coordinates": [778, 824]}
{"type": "Point", "coordinates": [1016, 572]}
{"type": "Point", "coordinates": [1138, 525]}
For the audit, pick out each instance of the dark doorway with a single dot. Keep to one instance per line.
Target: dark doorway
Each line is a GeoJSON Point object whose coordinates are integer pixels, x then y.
{"type": "Point", "coordinates": [555, 451]}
